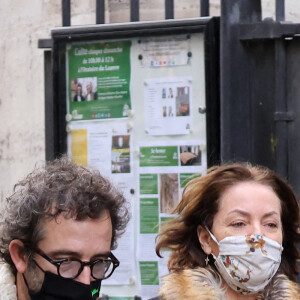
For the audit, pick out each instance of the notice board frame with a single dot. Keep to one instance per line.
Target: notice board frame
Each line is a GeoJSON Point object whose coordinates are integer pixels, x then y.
{"type": "Point", "coordinates": [55, 127]}
{"type": "Point", "coordinates": [56, 101]}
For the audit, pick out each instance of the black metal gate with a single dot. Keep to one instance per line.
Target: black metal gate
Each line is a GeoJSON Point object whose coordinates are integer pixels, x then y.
{"type": "Point", "coordinates": [258, 88]}
{"type": "Point", "coordinates": [259, 85]}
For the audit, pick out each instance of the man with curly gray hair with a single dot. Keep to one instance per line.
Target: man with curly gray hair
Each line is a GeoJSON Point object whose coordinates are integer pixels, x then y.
{"type": "Point", "coordinates": [57, 232]}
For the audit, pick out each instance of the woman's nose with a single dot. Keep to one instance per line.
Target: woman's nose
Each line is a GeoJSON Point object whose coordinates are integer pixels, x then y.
{"type": "Point", "coordinates": [256, 228]}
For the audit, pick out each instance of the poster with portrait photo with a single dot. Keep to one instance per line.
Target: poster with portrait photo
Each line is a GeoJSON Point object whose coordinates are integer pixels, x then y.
{"type": "Point", "coordinates": [83, 89]}
{"type": "Point", "coordinates": [183, 101]}
{"type": "Point", "coordinates": [120, 154]}
{"type": "Point", "coordinates": [98, 80]}
{"type": "Point", "coordinates": [90, 88]}
{"type": "Point", "coordinates": [167, 106]}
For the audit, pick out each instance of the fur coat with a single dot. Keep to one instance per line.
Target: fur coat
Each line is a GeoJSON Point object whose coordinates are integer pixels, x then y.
{"type": "Point", "coordinates": [206, 284]}
{"type": "Point", "coordinates": [8, 289]}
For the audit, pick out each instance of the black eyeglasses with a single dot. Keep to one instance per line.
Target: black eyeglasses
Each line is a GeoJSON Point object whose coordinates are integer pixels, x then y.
{"type": "Point", "coordinates": [72, 267]}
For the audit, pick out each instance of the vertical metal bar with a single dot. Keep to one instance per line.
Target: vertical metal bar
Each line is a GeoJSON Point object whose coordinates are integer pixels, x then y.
{"type": "Point", "coordinates": [169, 9]}
{"type": "Point", "coordinates": [204, 8]}
{"type": "Point", "coordinates": [66, 12]}
{"type": "Point", "coordinates": [212, 87]}
{"type": "Point", "coordinates": [100, 11]}
{"type": "Point", "coordinates": [59, 96]}
{"type": "Point", "coordinates": [49, 108]}
{"type": "Point", "coordinates": [280, 10]}
{"type": "Point", "coordinates": [134, 10]}
{"type": "Point", "coordinates": [236, 138]}
{"type": "Point", "coordinates": [281, 106]}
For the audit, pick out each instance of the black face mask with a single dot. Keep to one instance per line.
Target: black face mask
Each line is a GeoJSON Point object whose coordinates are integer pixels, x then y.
{"type": "Point", "coordinates": [58, 288]}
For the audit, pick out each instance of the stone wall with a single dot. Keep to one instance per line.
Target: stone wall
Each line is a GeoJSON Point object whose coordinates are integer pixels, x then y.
{"type": "Point", "coordinates": [23, 22]}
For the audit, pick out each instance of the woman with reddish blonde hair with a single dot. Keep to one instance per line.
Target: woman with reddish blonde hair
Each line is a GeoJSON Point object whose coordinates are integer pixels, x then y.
{"type": "Point", "coordinates": [235, 237]}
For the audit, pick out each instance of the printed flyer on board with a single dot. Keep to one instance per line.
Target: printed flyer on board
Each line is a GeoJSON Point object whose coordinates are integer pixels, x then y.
{"type": "Point", "coordinates": [98, 80]}
{"type": "Point", "coordinates": [165, 52]}
{"type": "Point", "coordinates": [107, 147]}
{"type": "Point", "coordinates": [164, 169]}
{"type": "Point", "coordinates": [167, 105]}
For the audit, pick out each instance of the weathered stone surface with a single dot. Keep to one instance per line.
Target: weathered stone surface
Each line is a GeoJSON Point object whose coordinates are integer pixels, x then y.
{"type": "Point", "coordinates": [23, 22]}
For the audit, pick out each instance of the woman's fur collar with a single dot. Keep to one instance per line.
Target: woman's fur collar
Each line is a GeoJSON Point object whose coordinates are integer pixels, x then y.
{"type": "Point", "coordinates": [201, 283]}
{"type": "Point", "coordinates": [8, 290]}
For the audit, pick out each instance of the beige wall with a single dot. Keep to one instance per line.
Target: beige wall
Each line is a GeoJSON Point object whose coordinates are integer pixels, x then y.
{"type": "Point", "coordinates": [22, 23]}
{"type": "Point", "coordinates": [21, 88]}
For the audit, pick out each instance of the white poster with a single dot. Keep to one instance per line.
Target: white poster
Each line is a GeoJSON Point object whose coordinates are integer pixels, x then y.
{"type": "Point", "coordinates": [106, 147]}
{"type": "Point", "coordinates": [167, 103]}
{"type": "Point", "coordinates": [165, 52]}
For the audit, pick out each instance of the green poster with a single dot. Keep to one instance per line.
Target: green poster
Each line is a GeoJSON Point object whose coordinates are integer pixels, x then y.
{"type": "Point", "coordinates": [148, 184]}
{"type": "Point", "coordinates": [148, 215]}
{"type": "Point", "coordinates": [99, 80]}
{"type": "Point", "coordinates": [186, 177]}
{"type": "Point", "coordinates": [159, 156]}
{"type": "Point", "coordinates": [149, 272]}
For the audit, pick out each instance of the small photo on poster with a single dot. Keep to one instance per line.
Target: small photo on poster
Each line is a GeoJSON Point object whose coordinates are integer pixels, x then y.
{"type": "Point", "coordinates": [170, 93]}
{"type": "Point", "coordinates": [190, 155]}
{"type": "Point", "coordinates": [169, 193]}
{"type": "Point", "coordinates": [168, 101]}
{"type": "Point", "coordinates": [183, 101]}
{"type": "Point", "coordinates": [170, 111]}
{"type": "Point", "coordinates": [163, 93]}
{"type": "Point", "coordinates": [167, 111]}
{"type": "Point", "coordinates": [84, 89]}
{"type": "Point", "coordinates": [120, 154]}
{"type": "Point", "coordinates": [164, 111]}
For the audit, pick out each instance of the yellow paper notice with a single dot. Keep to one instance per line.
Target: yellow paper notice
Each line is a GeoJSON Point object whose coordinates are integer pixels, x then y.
{"type": "Point", "coordinates": [79, 146]}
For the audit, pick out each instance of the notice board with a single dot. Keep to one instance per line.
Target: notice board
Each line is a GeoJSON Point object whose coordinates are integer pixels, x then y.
{"type": "Point", "coordinates": [139, 103]}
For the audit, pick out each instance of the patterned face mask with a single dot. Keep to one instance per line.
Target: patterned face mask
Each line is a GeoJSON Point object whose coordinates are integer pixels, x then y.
{"type": "Point", "coordinates": [247, 263]}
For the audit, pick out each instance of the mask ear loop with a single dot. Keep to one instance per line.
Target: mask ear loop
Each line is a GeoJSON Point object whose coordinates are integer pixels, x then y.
{"type": "Point", "coordinates": [26, 283]}
{"type": "Point", "coordinates": [212, 236]}
{"type": "Point", "coordinates": [215, 240]}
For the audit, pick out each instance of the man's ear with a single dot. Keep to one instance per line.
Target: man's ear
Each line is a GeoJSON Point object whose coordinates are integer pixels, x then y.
{"type": "Point", "coordinates": [204, 239]}
{"type": "Point", "coordinates": [18, 255]}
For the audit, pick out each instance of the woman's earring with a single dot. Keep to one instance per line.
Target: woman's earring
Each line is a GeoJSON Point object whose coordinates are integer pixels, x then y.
{"type": "Point", "coordinates": [206, 260]}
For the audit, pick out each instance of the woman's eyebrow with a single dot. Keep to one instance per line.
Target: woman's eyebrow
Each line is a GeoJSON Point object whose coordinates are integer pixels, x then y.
{"type": "Point", "coordinates": [239, 211]}
{"type": "Point", "coordinates": [246, 214]}
{"type": "Point", "coordinates": [271, 213]}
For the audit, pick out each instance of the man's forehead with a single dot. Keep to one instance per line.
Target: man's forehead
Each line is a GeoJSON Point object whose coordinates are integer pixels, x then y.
{"type": "Point", "coordinates": [81, 236]}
